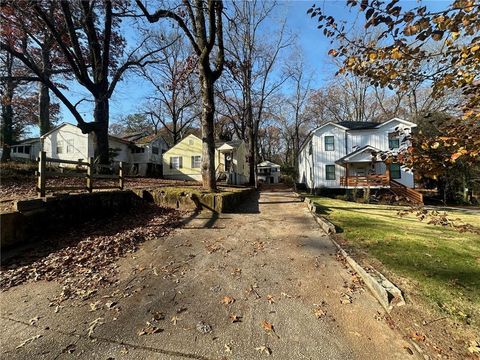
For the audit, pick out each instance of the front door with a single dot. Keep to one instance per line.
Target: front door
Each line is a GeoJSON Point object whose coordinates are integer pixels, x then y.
{"type": "Point", "coordinates": [228, 161]}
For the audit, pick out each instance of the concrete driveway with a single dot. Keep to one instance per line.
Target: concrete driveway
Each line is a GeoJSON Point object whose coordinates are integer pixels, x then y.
{"type": "Point", "coordinates": [261, 283]}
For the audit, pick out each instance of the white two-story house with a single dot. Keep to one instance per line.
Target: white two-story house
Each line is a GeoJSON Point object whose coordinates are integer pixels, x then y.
{"type": "Point", "coordinates": [346, 155]}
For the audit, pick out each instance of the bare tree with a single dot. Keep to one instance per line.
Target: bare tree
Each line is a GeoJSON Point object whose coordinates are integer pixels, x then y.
{"type": "Point", "coordinates": [252, 59]}
{"type": "Point", "coordinates": [301, 84]}
{"type": "Point", "coordinates": [174, 103]}
{"type": "Point", "coordinates": [201, 22]}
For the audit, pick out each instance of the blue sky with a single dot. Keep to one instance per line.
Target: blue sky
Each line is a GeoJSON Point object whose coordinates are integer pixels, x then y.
{"type": "Point", "coordinates": [131, 92]}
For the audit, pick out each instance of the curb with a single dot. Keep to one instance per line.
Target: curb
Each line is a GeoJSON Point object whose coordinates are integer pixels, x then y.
{"type": "Point", "coordinates": [387, 294]}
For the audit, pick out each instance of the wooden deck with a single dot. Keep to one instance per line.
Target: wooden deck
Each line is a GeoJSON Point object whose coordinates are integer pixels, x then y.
{"type": "Point", "coordinates": [364, 181]}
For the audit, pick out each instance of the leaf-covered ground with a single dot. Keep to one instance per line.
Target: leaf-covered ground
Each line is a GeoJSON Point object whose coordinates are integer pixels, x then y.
{"type": "Point", "coordinates": [24, 187]}
{"type": "Point", "coordinates": [83, 259]}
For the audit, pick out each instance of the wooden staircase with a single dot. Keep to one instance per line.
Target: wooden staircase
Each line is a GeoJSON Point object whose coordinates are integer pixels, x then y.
{"type": "Point", "coordinates": [405, 192]}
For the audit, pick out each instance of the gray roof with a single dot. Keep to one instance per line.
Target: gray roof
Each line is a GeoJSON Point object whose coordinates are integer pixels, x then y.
{"type": "Point", "coordinates": [27, 141]}
{"type": "Point", "coordinates": [358, 125]}
{"type": "Point", "coordinates": [232, 143]}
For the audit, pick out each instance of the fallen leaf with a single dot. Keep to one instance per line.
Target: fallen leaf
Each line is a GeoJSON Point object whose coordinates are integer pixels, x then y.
{"type": "Point", "coordinates": [417, 336]}
{"type": "Point", "coordinates": [345, 299]}
{"type": "Point", "coordinates": [319, 313]}
{"type": "Point", "coordinates": [93, 325]}
{"type": "Point", "coordinates": [33, 321]}
{"type": "Point", "coordinates": [264, 350]}
{"type": "Point", "coordinates": [235, 318]}
{"type": "Point", "coordinates": [270, 299]}
{"type": "Point", "coordinates": [69, 349]}
{"type": "Point", "coordinates": [94, 306]}
{"type": "Point", "coordinates": [228, 349]}
{"type": "Point", "coordinates": [174, 320]}
{"type": "Point", "coordinates": [227, 300]}
{"type": "Point", "coordinates": [158, 315]}
{"type": "Point", "coordinates": [267, 326]}
{"type": "Point", "coordinates": [410, 351]}
{"type": "Point", "coordinates": [474, 347]}
{"type": "Point", "coordinates": [110, 304]}
{"type": "Point", "coordinates": [286, 295]}
{"type": "Point", "coordinates": [149, 330]}
{"type": "Point", "coordinates": [33, 338]}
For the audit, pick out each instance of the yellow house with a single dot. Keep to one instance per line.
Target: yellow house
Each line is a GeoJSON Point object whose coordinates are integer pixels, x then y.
{"type": "Point", "coordinates": [184, 160]}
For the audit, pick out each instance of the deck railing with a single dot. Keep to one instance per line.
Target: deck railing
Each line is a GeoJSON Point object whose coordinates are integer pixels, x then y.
{"type": "Point", "coordinates": [368, 180]}
{"type": "Point", "coordinates": [403, 191]}
{"type": "Point", "coordinates": [43, 174]}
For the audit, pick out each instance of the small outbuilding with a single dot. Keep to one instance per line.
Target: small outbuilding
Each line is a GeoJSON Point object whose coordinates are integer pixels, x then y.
{"type": "Point", "coordinates": [268, 172]}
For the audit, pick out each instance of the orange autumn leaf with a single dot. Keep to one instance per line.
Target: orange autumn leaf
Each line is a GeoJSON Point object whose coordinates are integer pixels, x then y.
{"type": "Point", "coordinates": [267, 326]}
{"type": "Point", "coordinates": [227, 300]}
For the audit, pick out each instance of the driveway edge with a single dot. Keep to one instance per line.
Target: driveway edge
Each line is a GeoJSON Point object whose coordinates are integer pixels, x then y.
{"type": "Point", "coordinates": [386, 293]}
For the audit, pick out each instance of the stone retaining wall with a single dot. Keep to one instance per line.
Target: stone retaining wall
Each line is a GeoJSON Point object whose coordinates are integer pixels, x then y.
{"type": "Point", "coordinates": [34, 218]}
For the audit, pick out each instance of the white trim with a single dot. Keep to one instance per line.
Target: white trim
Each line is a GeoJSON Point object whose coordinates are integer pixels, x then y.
{"type": "Point", "coordinates": [405, 122]}
{"type": "Point", "coordinates": [318, 128]}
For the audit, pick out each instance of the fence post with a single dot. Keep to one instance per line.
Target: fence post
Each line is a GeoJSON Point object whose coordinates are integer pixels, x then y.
{"type": "Point", "coordinates": [42, 164]}
{"type": "Point", "coordinates": [89, 175]}
{"type": "Point", "coordinates": [120, 175]}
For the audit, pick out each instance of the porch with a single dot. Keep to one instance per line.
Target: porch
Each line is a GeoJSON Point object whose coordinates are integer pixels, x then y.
{"type": "Point", "coordinates": [365, 181]}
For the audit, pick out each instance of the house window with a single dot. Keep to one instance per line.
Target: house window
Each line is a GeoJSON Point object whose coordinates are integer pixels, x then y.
{"type": "Point", "coordinates": [27, 149]}
{"type": "Point", "coordinates": [395, 172]}
{"type": "Point", "coordinates": [330, 172]}
{"type": "Point", "coordinates": [393, 141]}
{"type": "Point", "coordinates": [310, 148]}
{"type": "Point", "coordinates": [329, 143]}
{"type": "Point", "coordinates": [14, 149]}
{"type": "Point", "coordinates": [175, 162]}
{"type": "Point", "coordinates": [60, 147]}
{"type": "Point", "coordinates": [196, 161]}
{"type": "Point", "coordinates": [70, 148]}
{"type": "Point", "coordinates": [155, 150]}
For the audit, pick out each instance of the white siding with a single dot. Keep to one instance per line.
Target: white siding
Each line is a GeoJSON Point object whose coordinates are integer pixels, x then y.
{"type": "Point", "coordinates": [63, 135]}
{"type": "Point", "coordinates": [122, 150]}
{"type": "Point", "coordinates": [311, 168]}
{"type": "Point", "coordinates": [321, 157]}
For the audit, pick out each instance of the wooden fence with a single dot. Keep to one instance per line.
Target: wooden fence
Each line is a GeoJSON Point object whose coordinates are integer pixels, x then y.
{"type": "Point", "coordinates": [43, 174]}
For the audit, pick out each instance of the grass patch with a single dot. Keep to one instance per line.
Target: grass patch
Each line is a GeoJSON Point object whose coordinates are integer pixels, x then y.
{"type": "Point", "coordinates": [442, 264]}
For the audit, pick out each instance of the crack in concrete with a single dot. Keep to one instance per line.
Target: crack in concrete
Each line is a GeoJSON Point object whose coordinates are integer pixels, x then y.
{"type": "Point", "coordinates": [110, 341]}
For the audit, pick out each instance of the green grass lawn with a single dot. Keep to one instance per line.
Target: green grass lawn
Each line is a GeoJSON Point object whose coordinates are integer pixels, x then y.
{"type": "Point", "coordinates": [440, 263]}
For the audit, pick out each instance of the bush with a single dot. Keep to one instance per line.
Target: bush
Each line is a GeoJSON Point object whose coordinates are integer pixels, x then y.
{"type": "Point", "coordinates": [287, 180]}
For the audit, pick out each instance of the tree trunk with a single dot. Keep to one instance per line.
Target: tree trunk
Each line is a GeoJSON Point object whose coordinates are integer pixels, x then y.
{"type": "Point", "coordinates": [44, 109]}
{"type": "Point", "coordinates": [7, 122]}
{"type": "Point", "coordinates": [208, 132]}
{"type": "Point", "coordinates": [44, 96]}
{"type": "Point", "coordinates": [7, 112]}
{"type": "Point", "coordinates": [101, 130]}
{"type": "Point", "coordinates": [251, 140]}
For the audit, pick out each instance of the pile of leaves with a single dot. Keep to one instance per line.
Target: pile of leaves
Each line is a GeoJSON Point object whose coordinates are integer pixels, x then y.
{"type": "Point", "coordinates": [434, 217]}
{"type": "Point", "coordinates": [83, 259]}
